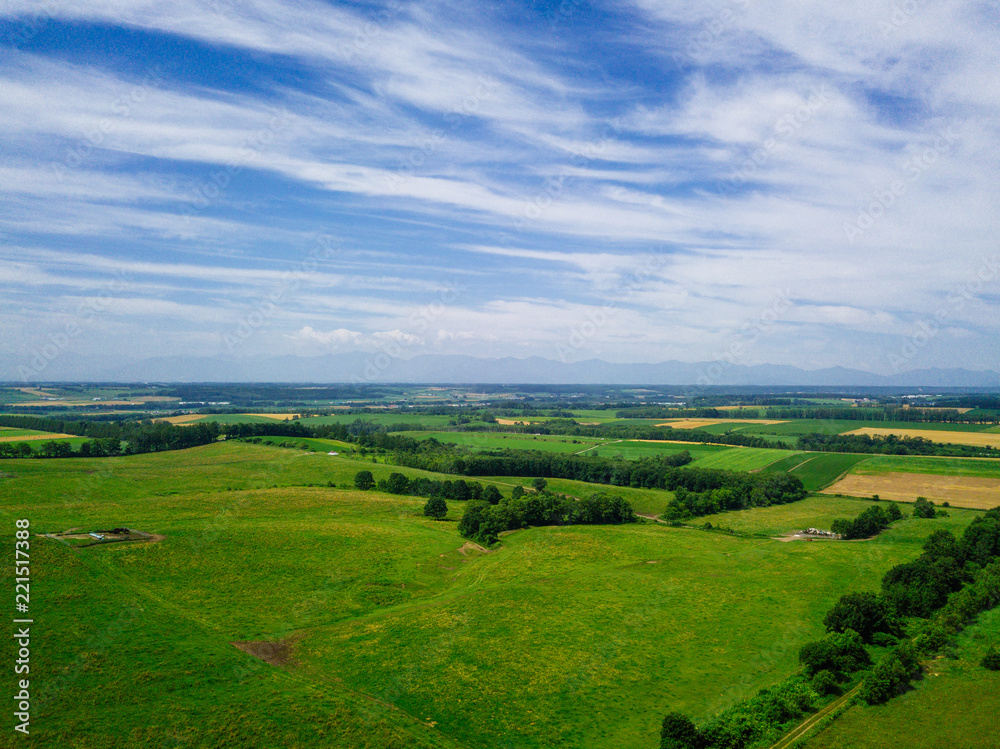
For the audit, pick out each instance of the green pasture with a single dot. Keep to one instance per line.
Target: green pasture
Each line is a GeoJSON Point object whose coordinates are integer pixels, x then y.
{"type": "Point", "coordinates": [879, 464]}
{"type": "Point", "coordinates": [819, 470]}
{"type": "Point", "coordinates": [393, 416]}
{"type": "Point", "coordinates": [635, 449]}
{"type": "Point", "coordinates": [500, 440]}
{"type": "Point", "coordinates": [741, 458]}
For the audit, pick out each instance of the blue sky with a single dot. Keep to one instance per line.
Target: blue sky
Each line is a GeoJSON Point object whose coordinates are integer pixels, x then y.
{"type": "Point", "coordinates": [805, 183]}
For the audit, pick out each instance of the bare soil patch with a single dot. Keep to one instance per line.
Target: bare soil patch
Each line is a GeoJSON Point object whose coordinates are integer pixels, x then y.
{"type": "Point", "coordinates": [979, 439]}
{"type": "Point", "coordinates": [276, 652]}
{"type": "Point", "coordinates": [972, 492]}
{"type": "Point", "coordinates": [83, 539]}
{"type": "Point", "coordinates": [468, 546]}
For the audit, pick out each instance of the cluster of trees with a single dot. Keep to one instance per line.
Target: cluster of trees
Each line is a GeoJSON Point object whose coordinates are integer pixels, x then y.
{"type": "Point", "coordinates": [110, 438]}
{"type": "Point", "coordinates": [889, 444]}
{"type": "Point", "coordinates": [700, 492]}
{"type": "Point", "coordinates": [869, 523]}
{"type": "Point", "coordinates": [646, 472]}
{"type": "Point", "coordinates": [398, 483]}
{"type": "Point", "coordinates": [743, 725]}
{"type": "Point", "coordinates": [484, 522]}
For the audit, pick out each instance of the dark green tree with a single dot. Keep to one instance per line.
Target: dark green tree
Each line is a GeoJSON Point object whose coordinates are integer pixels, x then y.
{"type": "Point", "coordinates": [539, 484]}
{"type": "Point", "coordinates": [364, 480]}
{"type": "Point", "coordinates": [397, 483]}
{"type": "Point", "coordinates": [492, 495]}
{"type": "Point", "coordinates": [517, 492]}
{"type": "Point", "coordinates": [865, 613]}
{"type": "Point", "coordinates": [436, 508]}
{"type": "Point", "coordinates": [678, 732]}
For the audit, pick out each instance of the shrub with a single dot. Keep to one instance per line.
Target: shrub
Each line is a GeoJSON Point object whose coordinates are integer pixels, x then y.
{"type": "Point", "coordinates": [838, 653]}
{"type": "Point", "coordinates": [923, 508]}
{"type": "Point", "coordinates": [678, 732]}
{"type": "Point", "coordinates": [991, 660]}
{"type": "Point", "coordinates": [824, 682]}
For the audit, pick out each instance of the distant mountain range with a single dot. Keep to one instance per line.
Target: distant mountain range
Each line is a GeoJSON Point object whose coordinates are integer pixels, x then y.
{"type": "Point", "coordinates": [361, 367]}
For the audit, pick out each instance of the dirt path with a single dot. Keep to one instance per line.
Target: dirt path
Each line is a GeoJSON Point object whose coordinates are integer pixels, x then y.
{"type": "Point", "coordinates": [594, 447]}
{"type": "Point", "coordinates": [803, 728]}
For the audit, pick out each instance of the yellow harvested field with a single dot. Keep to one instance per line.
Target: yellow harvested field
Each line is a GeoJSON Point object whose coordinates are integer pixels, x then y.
{"type": "Point", "coordinates": [29, 437]}
{"type": "Point", "coordinates": [510, 422]}
{"type": "Point", "coordinates": [280, 417]}
{"type": "Point", "coordinates": [976, 493]}
{"type": "Point", "coordinates": [980, 439]}
{"type": "Point", "coordinates": [182, 419]}
{"type": "Point", "coordinates": [698, 423]}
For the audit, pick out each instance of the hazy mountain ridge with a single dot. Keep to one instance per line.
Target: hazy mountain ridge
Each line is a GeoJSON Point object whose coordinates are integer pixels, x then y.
{"type": "Point", "coordinates": [363, 367]}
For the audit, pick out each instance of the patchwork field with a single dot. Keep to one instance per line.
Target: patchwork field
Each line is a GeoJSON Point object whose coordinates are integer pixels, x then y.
{"type": "Point", "coordinates": [390, 630]}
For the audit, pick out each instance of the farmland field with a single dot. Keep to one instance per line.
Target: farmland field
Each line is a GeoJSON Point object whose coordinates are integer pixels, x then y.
{"type": "Point", "coordinates": [742, 459]}
{"type": "Point", "coordinates": [960, 491]}
{"type": "Point", "coordinates": [978, 438]}
{"type": "Point", "coordinates": [393, 631]}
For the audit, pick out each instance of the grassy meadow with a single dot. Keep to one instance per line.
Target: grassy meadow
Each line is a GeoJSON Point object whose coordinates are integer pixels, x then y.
{"type": "Point", "coordinates": [392, 631]}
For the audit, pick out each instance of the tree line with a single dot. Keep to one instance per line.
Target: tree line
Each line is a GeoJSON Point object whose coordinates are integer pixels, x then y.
{"type": "Point", "coordinates": [890, 444]}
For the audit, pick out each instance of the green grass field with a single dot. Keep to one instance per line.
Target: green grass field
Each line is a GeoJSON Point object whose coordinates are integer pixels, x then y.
{"type": "Point", "coordinates": [564, 636]}
{"type": "Point", "coordinates": [635, 449]}
{"type": "Point", "coordinates": [823, 469]}
{"type": "Point", "coordinates": [742, 459]}
{"type": "Point", "coordinates": [880, 464]}
{"type": "Point", "coordinates": [500, 441]}
{"type": "Point", "coordinates": [955, 704]}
